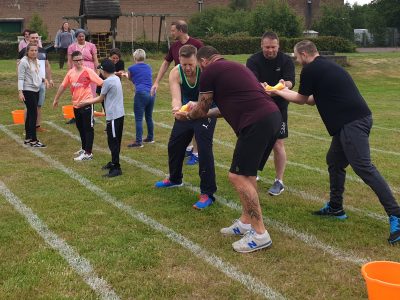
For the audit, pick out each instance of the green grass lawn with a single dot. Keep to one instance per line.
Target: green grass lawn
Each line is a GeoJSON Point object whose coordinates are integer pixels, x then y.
{"type": "Point", "coordinates": [150, 244]}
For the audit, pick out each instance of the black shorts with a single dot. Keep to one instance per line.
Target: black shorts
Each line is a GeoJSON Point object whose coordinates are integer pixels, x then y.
{"type": "Point", "coordinates": [283, 132]}
{"type": "Point", "coordinates": [254, 144]}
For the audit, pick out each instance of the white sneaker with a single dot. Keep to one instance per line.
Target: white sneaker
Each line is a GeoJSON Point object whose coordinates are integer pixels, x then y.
{"type": "Point", "coordinates": [252, 241]}
{"type": "Point", "coordinates": [84, 156]}
{"type": "Point", "coordinates": [237, 228]}
{"type": "Point", "coordinates": [79, 152]}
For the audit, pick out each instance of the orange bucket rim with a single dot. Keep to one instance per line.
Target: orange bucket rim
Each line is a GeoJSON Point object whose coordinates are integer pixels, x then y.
{"type": "Point", "coordinates": [367, 277]}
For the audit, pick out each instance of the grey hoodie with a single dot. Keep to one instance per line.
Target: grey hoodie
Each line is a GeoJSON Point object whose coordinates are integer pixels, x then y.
{"type": "Point", "coordinates": [29, 78]}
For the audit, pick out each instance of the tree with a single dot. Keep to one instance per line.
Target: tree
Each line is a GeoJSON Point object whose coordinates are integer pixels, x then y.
{"type": "Point", "coordinates": [37, 25]}
{"type": "Point", "coordinates": [276, 16]}
{"type": "Point", "coordinates": [335, 21]}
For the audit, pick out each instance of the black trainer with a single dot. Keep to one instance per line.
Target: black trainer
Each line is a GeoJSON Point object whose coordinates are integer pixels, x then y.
{"type": "Point", "coordinates": [148, 141]}
{"type": "Point", "coordinates": [108, 166]}
{"type": "Point", "coordinates": [113, 172]}
{"type": "Point", "coordinates": [328, 211]}
{"type": "Point", "coordinates": [72, 121]}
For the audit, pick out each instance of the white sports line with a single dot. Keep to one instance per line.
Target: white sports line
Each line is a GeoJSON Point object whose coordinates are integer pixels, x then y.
{"type": "Point", "coordinates": [292, 163]}
{"type": "Point", "coordinates": [299, 193]}
{"type": "Point", "coordinates": [308, 239]}
{"type": "Point", "coordinates": [80, 264]}
{"type": "Point", "coordinates": [251, 283]}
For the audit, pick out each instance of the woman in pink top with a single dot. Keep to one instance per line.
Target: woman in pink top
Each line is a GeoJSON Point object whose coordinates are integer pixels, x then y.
{"type": "Point", "coordinates": [89, 54]}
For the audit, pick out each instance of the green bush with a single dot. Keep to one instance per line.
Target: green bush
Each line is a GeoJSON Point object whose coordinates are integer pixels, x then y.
{"type": "Point", "coordinates": [218, 20]}
{"type": "Point", "coordinates": [9, 36]}
{"type": "Point", "coordinates": [37, 25]}
{"type": "Point", "coordinates": [275, 16]}
{"type": "Point", "coordinates": [8, 50]}
{"type": "Point", "coordinates": [243, 45]}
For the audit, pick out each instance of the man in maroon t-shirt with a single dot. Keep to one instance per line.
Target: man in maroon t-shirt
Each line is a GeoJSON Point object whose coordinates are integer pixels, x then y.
{"type": "Point", "coordinates": [179, 32]}
{"type": "Point", "coordinates": [256, 120]}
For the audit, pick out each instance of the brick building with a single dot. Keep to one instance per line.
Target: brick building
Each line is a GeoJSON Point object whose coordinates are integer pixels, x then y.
{"type": "Point", "coordinates": [15, 14]}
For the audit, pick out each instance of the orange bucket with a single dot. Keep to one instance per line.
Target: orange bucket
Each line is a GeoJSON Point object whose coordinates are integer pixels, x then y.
{"type": "Point", "coordinates": [18, 116]}
{"type": "Point", "coordinates": [382, 279]}
{"type": "Point", "coordinates": [68, 111]}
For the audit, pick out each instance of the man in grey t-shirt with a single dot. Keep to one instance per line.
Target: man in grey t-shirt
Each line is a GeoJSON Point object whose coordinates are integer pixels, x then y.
{"type": "Point", "coordinates": [111, 93]}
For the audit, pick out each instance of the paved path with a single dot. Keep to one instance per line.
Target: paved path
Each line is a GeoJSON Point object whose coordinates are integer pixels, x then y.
{"type": "Point", "coordinates": [388, 49]}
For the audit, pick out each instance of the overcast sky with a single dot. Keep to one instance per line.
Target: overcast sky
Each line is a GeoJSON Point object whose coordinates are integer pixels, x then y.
{"type": "Point", "coordinates": [359, 2]}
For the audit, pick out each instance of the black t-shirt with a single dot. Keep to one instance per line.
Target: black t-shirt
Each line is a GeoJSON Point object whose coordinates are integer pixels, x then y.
{"type": "Point", "coordinates": [272, 70]}
{"type": "Point", "coordinates": [337, 97]}
{"type": "Point", "coordinates": [119, 66]}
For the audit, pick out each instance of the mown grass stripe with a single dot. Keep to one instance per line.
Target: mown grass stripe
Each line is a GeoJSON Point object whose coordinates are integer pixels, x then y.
{"type": "Point", "coordinates": [299, 193]}
{"type": "Point", "coordinates": [251, 283]}
{"type": "Point", "coordinates": [308, 239]}
{"type": "Point", "coordinates": [80, 264]}
{"type": "Point", "coordinates": [292, 163]}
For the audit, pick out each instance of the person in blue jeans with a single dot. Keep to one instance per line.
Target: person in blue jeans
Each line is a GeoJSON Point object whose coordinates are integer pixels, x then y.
{"type": "Point", "coordinates": [140, 74]}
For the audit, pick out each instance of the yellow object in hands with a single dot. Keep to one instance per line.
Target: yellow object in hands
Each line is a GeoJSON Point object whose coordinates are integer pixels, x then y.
{"type": "Point", "coordinates": [185, 108]}
{"type": "Point", "coordinates": [279, 86]}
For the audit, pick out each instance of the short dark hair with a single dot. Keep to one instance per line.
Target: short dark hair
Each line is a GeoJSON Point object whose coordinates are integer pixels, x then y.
{"type": "Point", "coordinates": [180, 26]}
{"type": "Point", "coordinates": [115, 51]}
{"type": "Point", "coordinates": [25, 31]}
{"type": "Point", "coordinates": [32, 32]}
{"type": "Point", "coordinates": [206, 52]}
{"type": "Point", "coordinates": [270, 35]}
{"type": "Point", "coordinates": [187, 51]}
{"type": "Point", "coordinates": [76, 53]}
{"type": "Point", "coordinates": [306, 46]}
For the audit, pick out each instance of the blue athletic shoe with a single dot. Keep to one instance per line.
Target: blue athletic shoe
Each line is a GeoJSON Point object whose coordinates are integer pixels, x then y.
{"type": "Point", "coordinates": [394, 230]}
{"type": "Point", "coordinates": [166, 183]}
{"type": "Point", "coordinates": [328, 211]}
{"type": "Point", "coordinates": [204, 201]}
{"type": "Point", "coordinates": [194, 159]}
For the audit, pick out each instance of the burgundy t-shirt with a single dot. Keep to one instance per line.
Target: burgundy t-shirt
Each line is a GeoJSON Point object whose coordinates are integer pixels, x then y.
{"type": "Point", "coordinates": [239, 96]}
{"type": "Point", "coordinates": [173, 53]}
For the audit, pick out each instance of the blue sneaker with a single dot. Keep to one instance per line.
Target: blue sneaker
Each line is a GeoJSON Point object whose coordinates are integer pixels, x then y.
{"type": "Point", "coordinates": [204, 201]}
{"type": "Point", "coordinates": [194, 159]}
{"type": "Point", "coordinates": [166, 183]}
{"type": "Point", "coordinates": [394, 230]}
{"type": "Point", "coordinates": [328, 211]}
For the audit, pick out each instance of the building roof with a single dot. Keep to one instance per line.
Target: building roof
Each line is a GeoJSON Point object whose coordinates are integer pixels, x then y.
{"type": "Point", "coordinates": [100, 8]}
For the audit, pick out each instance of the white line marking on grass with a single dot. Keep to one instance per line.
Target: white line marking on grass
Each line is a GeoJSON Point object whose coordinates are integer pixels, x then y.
{"type": "Point", "coordinates": [251, 283]}
{"type": "Point", "coordinates": [292, 163]}
{"type": "Point", "coordinates": [308, 239]}
{"type": "Point", "coordinates": [80, 264]}
{"type": "Point", "coordinates": [385, 128]}
{"type": "Point", "coordinates": [299, 193]}
{"type": "Point", "coordinates": [315, 137]}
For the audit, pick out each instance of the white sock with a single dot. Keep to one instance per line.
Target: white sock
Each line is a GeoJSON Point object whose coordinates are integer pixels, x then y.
{"type": "Point", "coordinates": [195, 154]}
{"type": "Point", "coordinates": [280, 181]}
{"type": "Point", "coordinates": [245, 226]}
{"type": "Point", "coordinates": [189, 148]}
{"type": "Point", "coordinates": [261, 235]}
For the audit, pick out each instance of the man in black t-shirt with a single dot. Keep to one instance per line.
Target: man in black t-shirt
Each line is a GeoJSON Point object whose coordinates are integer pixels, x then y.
{"type": "Point", "coordinates": [348, 120]}
{"type": "Point", "coordinates": [270, 66]}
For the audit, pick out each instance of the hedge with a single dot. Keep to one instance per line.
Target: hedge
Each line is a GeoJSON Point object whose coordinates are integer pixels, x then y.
{"type": "Point", "coordinates": [226, 45]}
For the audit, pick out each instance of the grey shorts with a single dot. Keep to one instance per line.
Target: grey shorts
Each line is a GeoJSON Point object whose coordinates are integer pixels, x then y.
{"type": "Point", "coordinates": [42, 94]}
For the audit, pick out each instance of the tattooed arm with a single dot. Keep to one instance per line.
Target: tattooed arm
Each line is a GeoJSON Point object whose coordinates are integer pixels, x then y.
{"type": "Point", "coordinates": [200, 110]}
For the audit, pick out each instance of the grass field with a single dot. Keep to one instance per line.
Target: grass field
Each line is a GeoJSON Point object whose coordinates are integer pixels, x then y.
{"type": "Point", "coordinates": [68, 233]}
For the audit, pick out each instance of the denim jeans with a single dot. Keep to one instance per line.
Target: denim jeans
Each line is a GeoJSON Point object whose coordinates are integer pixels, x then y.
{"type": "Point", "coordinates": [351, 146]}
{"type": "Point", "coordinates": [143, 104]}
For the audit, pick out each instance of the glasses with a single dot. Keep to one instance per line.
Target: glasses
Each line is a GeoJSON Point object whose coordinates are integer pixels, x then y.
{"type": "Point", "coordinates": [78, 59]}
